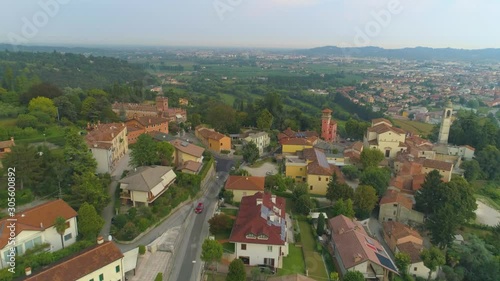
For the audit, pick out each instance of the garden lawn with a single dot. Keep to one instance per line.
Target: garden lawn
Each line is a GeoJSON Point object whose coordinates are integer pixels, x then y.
{"type": "Point", "coordinates": [314, 261]}
{"type": "Point", "coordinates": [230, 212]}
{"type": "Point", "coordinates": [294, 262]}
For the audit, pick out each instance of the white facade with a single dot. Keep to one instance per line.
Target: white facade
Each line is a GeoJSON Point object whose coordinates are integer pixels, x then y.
{"type": "Point", "coordinates": [104, 159]}
{"type": "Point", "coordinates": [28, 239]}
{"type": "Point", "coordinates": [420, 270]}
{"type": "Point", "coordinates": [262, 253]}
{"type": "Point", "coordinates": [110, 272]}
{"type": "Point", "coordinates": [444, 129]}
{"type": "Point", "coordinates": [462, 151]}
{"type": "Point", "coordinates": [260, 139]}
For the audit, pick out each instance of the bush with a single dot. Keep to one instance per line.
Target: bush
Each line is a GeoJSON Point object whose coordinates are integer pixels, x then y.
{"type": "Point", "coordinates": [225, 151]}
{"type": "Point", "coordinates": [143, 224]}
{"type": "Point", "coordinates": [159, 277]}
{"type": "Point", "coordinates": [142, 250]}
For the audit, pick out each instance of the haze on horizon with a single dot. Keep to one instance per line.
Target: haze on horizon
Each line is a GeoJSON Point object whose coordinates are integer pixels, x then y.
{"type": "Point", "coordinates": [463, 24]}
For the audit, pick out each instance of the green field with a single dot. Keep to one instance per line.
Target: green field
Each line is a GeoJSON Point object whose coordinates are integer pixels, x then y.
{"type": "Point", "coordinates": [294, 262]}
{"type": "Point", "coordinates": [414, 127]}
{"type": "Point", "coordinates": [314, 261]}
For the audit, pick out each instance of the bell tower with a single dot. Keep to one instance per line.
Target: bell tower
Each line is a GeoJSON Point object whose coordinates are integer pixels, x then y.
{"type": "Point", "coordinates": [444, 130]}
{"type": "Point", "coordinates": [328, 126]}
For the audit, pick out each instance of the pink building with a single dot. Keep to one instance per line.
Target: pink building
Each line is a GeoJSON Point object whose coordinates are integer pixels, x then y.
{"type": "Point", "coordinates": [328, 126]}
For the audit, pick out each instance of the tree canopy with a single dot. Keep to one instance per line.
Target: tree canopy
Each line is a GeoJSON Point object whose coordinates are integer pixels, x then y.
{"type": "Point", "coordinates": [250, 152]}
{"type": "Point", "coordinates": [371, 157]}
{"type": "Point", "coordinates": [365, 199]}
{"type": "Point", "coordinates": [378, 178]}
{"type": "Point", "coordinates": [89, 222]}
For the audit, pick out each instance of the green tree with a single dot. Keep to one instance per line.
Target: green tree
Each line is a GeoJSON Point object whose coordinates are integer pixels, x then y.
{"type": "Point", "coordinates": [365, 199]}
{"type": "Point", "coordinates": [250, 152]}
{"type": "Point", "coordinates": [165, 153]}
{"type": "Point", "coordinates": [379, 178]}
{"type": "Point", "coordinates": [472, 170]}
{"type": "Point", "coordinates": [265, 120]}
{"type": "Point", "coordinates": [40, 90]}
{"type": "Point", "coordinates": [302, 202]}
{"type": "Point", "coordinates": [194, 119]}
{"type": "Point", "coordinates": [351, 172]}
{"type": "Point", "coordinates": [337, 190]}
{"type": "Point", "coordinates": [228, 196]}
{"type": "Point", "coordinates": [353, 276]}
{"type": "Point", "coordinates": [89, 222]}
{"type": "Point", "coordinates": [429, 197]}
{"type": "Point", "coordinates": [66, 108]}
{"type": "Point", "coordinates": [89, 188]}
{"type": "Point", "coordinates": [211, 252]}
{"type": "Point", "coordinates": [345, 208]}
{"type": "Point", "coordinates": [27, 120]}
{"type": "Point", "coordinates": [237, 271]}
{"type": "Point", "coordinates": [433, 258]}
{"type": "Point", "coordinates": [320, 227]}
{"type": "Point", "coordinates": [489, 161]}
{"type": "Point", "coordinates": [77, 156]}
{"type": "Point", "coordinates": [159, 277]}
{"type": "Point", "coordinates": [43, 104]}
{"type": "Point", "coordinates": [60, 226]}
{"type": "Point", "coordinates": [144, 152]}
{"type": "Point", "coordinates": [27, 163]}
{"type": "Point", "coordinates": [371, 157]}
{"type": "Point", "coordinates": [220, 223]}
{"type": "Point", "coordinates": [402, 261]}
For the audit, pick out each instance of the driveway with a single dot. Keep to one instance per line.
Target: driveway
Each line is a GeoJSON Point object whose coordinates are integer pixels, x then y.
{"type": "Point", "coordinates": [262, 170]}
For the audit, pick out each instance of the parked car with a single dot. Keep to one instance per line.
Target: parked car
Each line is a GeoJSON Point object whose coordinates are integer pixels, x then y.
{"type": "Point", "coordinates": [199, 208]}
{"type": "Point", "coordinates": [266, 268]}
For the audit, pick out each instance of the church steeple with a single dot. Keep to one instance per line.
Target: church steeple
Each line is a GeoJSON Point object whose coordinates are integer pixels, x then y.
{"type": "Point", "coordinates": [444, 130]}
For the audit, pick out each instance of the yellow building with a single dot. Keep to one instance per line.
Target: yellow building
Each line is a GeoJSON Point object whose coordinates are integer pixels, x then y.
{"type": "Point", "coordinates": [311, 166]}
{"type": "Point", "coordinates": [212, 139]}
{"type": "Point", "coordinates": [185, 151]}
{"type": "Point", "coordinates": [244, 186]}
{"type": "Point", "coordinates": [292, 146]}
{"type": "Point", "coordinates": [386, 138]}
{"type": "Point", "coordinates": [108, 144]}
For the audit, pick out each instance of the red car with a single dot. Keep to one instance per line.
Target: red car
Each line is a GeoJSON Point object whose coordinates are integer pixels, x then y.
{"type": "Point", "coordinates": [199, 208]}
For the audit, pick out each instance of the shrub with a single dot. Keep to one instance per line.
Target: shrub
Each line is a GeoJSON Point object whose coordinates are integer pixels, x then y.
{"type": "Point", "coordinates": [142, 250]}
{"type": "Point", "coordinates": [143, 224]}
{"type": "Point", "coordinates": [225, 151]}
{"type": "Point", "coordinates": [159, 277]}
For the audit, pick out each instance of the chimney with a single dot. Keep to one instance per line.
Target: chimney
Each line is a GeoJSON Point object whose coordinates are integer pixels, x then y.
{"type": "Point", "coordinates": [259, 201]}
{"type": "Point", "coordinates": [113, 135]}
{"type": "Point", "coordinates": [41, 225]}
{"type": "Point", "coordinates": [27, 270]}
{"type": "Point", "coordinates": [273, 198]}
{"type": "Point", "coordinates": [149, 120]}
{"type": "Point", "coordinates": [12, 139]}
{"type": "Point", "coordinates": [246, 178]}
{"type": "Point", "coordinates": [357, 258]}
{"type": "Point", "coordinates": [341, 230]}
{"type": "Point", "coordinates": [100, 240]}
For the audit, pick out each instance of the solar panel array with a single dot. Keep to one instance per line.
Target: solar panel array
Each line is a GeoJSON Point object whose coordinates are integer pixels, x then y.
{"type": "Point", "coordinates": [386, 262]}
{"type": "Point", "coordinates": [320, 156]}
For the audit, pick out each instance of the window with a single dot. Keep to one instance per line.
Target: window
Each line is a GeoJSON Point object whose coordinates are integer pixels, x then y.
{"type": "Point", "coordinates": [250, 236]}
{"type": "Point", "coordinates": [91, 279]}
{"type": "Point", "coordinates": [101, 277]}
{"type": "Point", "coordinates": [300, 169]}
{"type": "Point", "coordinates": [414, 269]}
{"type": "Point", "coordinates": [269, 248]}
{"type": "Point", "coordinates": [395, 205]}
{"type": "Point", "coordinates": [117, 268]}
{"type": "Point", "coordinates": [311, 187]}
{"type": "Point", "coordinates": [243, 246]}
{"type": "Point", "coordinates": [319, 178]}
{"type": "Point", "coordinates": [68, 236]}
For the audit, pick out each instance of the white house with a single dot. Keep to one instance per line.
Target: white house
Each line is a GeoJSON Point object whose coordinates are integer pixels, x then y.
{"type": "Point", "coordinates": [100, 262]}
{"type": "Point", "coordinates": [108, 144]}
{"type": "Point", "coordinates": [143, 185]}
{"type": "Point", "coordinates": [417, 267]}
{"type": "Point", "coordinates": [35, 226]}
{"type": "Point", "coordinates": [261, 140]}
{"type": "Point", "coordinates": [260, 230]}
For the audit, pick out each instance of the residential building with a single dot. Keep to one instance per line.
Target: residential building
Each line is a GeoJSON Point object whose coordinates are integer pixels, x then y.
{"type": "Point", "coordinates": [145, 124]}
{"type": "Point", "coordinates": [261, 140]}
{"type": "Point", "coordinates": [160, 109]}
{"type": "Point", "coordinates": [292, 141]}
{"type": "Point", "coordinates": [328, 126]}
{"type": "Point", "coordinates": [187, 155]}
{"type": "Point", "coordinates": [396, 233]}
{"type": "Point", "coordinates": [417, 267]}
{"type": "Point", "coordinates": [108, 144]}
{"type": "Point", "coordinates": [212, 139]}
{"type": "Point", "coordinates": [242, 186]}
{"type": "Point", "coordinates": [311, 166]}
{"type": "Point", "coordinates": [100, 262]}
{"type": "Point", "coordinates": [464, 151]}
{"type": "Point", "coordinates": [352, 153]}
{"type": "Point", "coordinates": [145, 184]}
{"type": "Point", "coordinates": [397, 206]}
{"type": "Point", "coordinates": [260, 230]}
{"type": "Point", "coordinates": [386, 138]}
{"type": "Point", "coordinates": [353, 249]}
{"type": "Point", "coordinates": [35, 226]}
{"type": "Point", "coordinates": [5, 147]}
{"type": "Point", "coordinates": [445, 169]}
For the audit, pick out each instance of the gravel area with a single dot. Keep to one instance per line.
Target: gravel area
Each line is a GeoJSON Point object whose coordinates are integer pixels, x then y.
{"type": "Point", "coordinates": [486, 214]}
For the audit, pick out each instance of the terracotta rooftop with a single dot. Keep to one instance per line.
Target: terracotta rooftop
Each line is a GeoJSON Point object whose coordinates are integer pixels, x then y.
{"type": "Point", "coordinates": [412, 249]}
{"type": "Point", "coordinates": [437, 164]}
{"type": "Point", "coordinates": [400, 230]}
{"type": "Point", "coordinates": [80, 264]}
{"type": "Point", "coordinates": [355, 246]}
{"type": "Point", "coordinates": [210, 134]}
{"type": "Point", "coordinates": [134, 106]}
{"type": "Point", "coordinates": [327, 110]}
{"type": "Point", "coordinates": [393, 196]}
{"type": "Point", "coordinates": [37, 218]}
{"type": "Point", "coordinates": [298, 141]}
{"type": "Point", "coordinates": [188, 148]}
{"type": "Point", "coordinates": [7, 143]}
{"type": "Point", "coordinates": [245, 183]}
{"type": "Point", "coordinates": [382, 128]}
{"type": "Point", "coordinates": [192, 166]}
{"type": "Point", "coordinates": [149, 120]}
{"type": "Point", "coordinates": [259, 216]}
{"type": "Point", "coordinates": [381, 120]}
{"type": "Point", "coordinates": [101, 135]}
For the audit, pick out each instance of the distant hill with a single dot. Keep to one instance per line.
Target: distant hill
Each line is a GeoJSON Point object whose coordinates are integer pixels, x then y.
{"type": "Point", "coordinates": [418, 53]}
{"type": "Point", "coordinates": [70, 69]}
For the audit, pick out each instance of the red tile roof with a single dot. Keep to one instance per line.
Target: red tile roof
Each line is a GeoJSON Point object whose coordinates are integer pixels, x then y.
{"type": "Point", "coordinates": [437, 164]}
{"type": "Point", "coordinates": [103, 134]}
{"type": "Point", "coordinates": [412, 249]}
{"type": "Point", "coordinates": [7, 143]}
{"type": "Point", "coordinates": [192, 166]}
{"type": "Point", "coordinates": [37, 218]}
{"type": "Point", "coordinates": [256, 219]}
{"type": "Point", "coordinates": [393, 196]}
{"type": "Point", "coordinates": [188, 148]}
{"type": "Point", "coordinates": [382, 128]}
{"type": "Point", "coordinates": [80, 264]}
{"type": "Point", "coordinates": [380, 120]}
{"type": "Point", "coordinates": [399, 230]}
{"type": "Point", "coordinates": [355, 246]}
{"type": "Point", "coordinates": [149, 120]}
{"type": "Point", "coordinates": [245, 183]}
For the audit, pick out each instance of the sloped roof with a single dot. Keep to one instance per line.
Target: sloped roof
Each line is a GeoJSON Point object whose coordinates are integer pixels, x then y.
{"type": "Point", "coordinates": [192, 166]}
{"type": "Point", "coordinates": [392, 196]}
{"type": "Point", "coordinates": [7, 143]}
{"type": "Point", "coordinates": [188, 148]}
{"type": "Point", "coordinates": [412, 249]}
{"type": "Point", "coordinates": [381, 120]}
{"type": "Point", "coordinates": [103, 134]}
{"type": "Point", "coordinates": [150, 120]}
{"type": "Point", "coordinates": [437, 164]}
{"type": "Point", "coordinates": [77, 266]}
{"type": "Point", "coordinates": [398, 230]}
{"type": "Point", "coordinates": [245, 183]}
{"type": "Point", "coordinates": [355, 246]}
{"type": "Point", "coordinates": [36, 219]}
{"type": "Point", "coordinates": [255, 219]}
{"type": "Point", "coordinates": [383, 128]}
{"type": "Point", "coordinates": [146, 177]}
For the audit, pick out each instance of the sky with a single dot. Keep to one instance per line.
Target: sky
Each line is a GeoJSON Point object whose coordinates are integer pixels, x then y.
{"type": "Point", "coordinates": [467, 24]}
